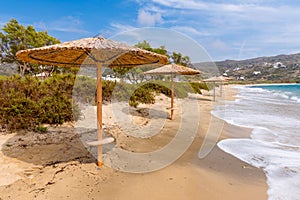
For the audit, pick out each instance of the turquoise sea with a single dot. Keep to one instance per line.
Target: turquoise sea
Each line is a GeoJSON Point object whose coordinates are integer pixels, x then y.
{"type": "Point", "coordinates": [273, 113]}
{"type": "Point", "coordinates": [291, 91]}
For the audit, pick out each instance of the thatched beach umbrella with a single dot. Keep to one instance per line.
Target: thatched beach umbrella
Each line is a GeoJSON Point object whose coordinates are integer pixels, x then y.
{"type": "Point", "coordinates": [173, 69]}
{"type": "Point", "coordinates": [89, 52]}
{"type": "Point", "coordinates": [214, 80]}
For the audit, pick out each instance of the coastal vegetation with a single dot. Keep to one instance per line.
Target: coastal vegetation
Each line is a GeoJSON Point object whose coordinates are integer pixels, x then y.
{"type": "Point", "coordinates": [29, 101]}
{"type": "Point", "coordinates": [15, 37]}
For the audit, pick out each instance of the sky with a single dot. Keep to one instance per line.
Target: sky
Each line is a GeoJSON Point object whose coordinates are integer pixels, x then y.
{"type": "Point", "coordinates": [212, 29]}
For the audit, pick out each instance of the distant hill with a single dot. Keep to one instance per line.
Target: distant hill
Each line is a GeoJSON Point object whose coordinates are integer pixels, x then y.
{"type": "Point", "coordinates": [280, 68]}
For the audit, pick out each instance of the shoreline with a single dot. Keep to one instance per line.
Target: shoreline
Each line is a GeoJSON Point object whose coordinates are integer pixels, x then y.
{"type": "Point", "coordinates": [57, 166]}
{"type": "Point", "coordinates": [263, 84]}
{"type": "Point", "coordinates": [273, 142]}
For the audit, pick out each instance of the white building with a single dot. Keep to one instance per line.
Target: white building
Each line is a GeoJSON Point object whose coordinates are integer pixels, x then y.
{"type": "Point", "coordinates": [278, 65]}
{"type": "Point", "coordinates": [110, 78]}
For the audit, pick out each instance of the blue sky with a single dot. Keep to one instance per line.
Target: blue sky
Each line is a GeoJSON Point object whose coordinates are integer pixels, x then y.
{"type": "Point", "coordinates": [225, 29]}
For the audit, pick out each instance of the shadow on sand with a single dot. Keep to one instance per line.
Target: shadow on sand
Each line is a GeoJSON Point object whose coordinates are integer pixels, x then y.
{"type": "Point", "coordinates": [58, 145]}
{"type": "Point", "coordinates": [148, 113]}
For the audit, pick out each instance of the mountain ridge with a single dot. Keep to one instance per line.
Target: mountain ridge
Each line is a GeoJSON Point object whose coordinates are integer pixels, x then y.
{"type": "Point", "coordinates": [279, 68]}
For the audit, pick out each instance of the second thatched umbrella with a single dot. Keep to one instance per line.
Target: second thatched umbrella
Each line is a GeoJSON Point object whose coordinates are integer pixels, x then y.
{"type": "Point", "coordinates": [173, 69]}
{"type": "Point", "coordinates": [89, 52]}
{"type": "Point", "coordinates": [214, 80]}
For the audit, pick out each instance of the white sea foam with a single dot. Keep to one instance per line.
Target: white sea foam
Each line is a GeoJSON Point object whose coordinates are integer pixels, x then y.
{"type": "Point", "coordinates": [295, 99]}
{"type": "Point", "coordinates": [275, 141]}
{"type": "Point", "coordinates": [281, 164]}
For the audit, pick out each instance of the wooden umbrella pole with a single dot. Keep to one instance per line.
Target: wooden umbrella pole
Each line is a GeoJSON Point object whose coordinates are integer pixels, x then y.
{"type": "Point", "coordinates": [214, 91]}
{"type": "Point", "coordinates": [172, 97]}
{"type": "Point", "coordinates": [99, 111]}
{"type": "Point", "coordinates": [221, 88]}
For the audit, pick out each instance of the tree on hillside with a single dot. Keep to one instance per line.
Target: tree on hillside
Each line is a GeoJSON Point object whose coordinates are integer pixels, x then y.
{"type": "Point", "coordinates": [136, 75]}
{"type": "Point", "coordinates": [15, 37]}
{"type": "Point", "coordinates": [178, 58]}
{"type": "Point", "coordinates": [145, 45]}
{"type": "Point", "coordinates": [174, 57]}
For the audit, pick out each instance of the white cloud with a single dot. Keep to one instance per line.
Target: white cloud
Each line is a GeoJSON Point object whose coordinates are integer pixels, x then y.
{"type": "Point", "coordinates": [146, 18]}
{"type": "Point", "coordinates": [190, 30]}
{"type": "Point", "coordinates": [121, 27]}
{"type": "Point", "coordinates": [220, 45]}
{"type": "Point", "coordinates": [65, 24]}
{"type": "Point", "coordinates": [209, 5]}
{"type": "Point", "coordinates": [268, 26]}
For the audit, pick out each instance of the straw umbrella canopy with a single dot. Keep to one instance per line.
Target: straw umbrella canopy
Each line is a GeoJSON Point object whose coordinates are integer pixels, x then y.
{"type": "Point", "coordinates": [214, 80]}
{"type": "Point", "coordinates": [173, 69]}
{"type": "Point", "coordinates": [88, 52]}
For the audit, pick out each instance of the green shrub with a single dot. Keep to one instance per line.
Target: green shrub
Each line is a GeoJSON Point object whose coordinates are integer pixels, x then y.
{"type": "Point", "coordinates": [28, 102]}
{"type": "Point", "coordinates": [144, 95]}
{"type": "Point", "coordinates": [107, 90]}
{"type": "Point", "coordinates": [197, 87]}
{"type": "Point", "coordinates": [84, 90]}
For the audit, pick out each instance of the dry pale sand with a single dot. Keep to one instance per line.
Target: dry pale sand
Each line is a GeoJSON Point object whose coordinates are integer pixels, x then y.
{"type": "Point", "coordinates": [56, 165]}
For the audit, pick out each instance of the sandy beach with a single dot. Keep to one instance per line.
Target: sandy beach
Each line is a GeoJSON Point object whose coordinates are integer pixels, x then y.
{"type": "Point", "coordinates": [56, 165]}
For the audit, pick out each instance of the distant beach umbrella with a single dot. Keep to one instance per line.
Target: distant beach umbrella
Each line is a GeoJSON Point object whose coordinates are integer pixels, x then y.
{"type": "Point", "coordinates": [173, 69]}
{"type": "Point", "coordinates": [89, 52]}
{"type": "Point", "coordinates": [217, 79]}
